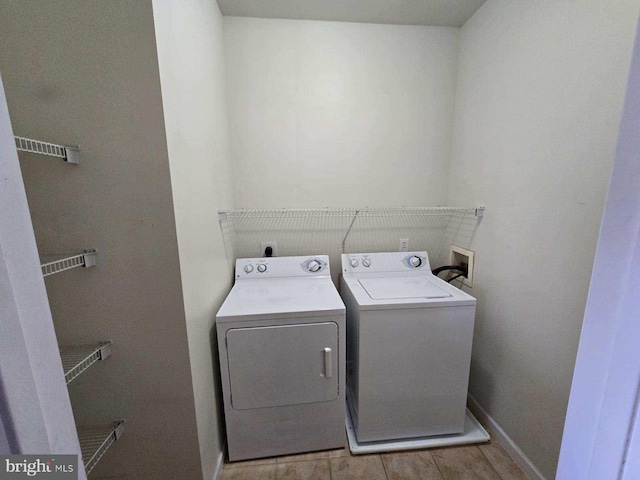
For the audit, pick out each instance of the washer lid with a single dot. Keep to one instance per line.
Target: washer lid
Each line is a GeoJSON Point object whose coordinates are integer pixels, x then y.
{"type": "Point", "coordinates": [387, 288]}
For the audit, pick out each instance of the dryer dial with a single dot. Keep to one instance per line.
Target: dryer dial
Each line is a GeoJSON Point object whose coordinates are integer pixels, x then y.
{"type": "Point", "coordinates": [415, 261]}
{"type": "Point", "coordinates": [314, 266]}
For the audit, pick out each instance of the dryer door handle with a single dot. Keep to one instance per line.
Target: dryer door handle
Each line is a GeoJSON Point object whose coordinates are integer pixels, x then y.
{"type": "Point", "coordinates": [328, 362]}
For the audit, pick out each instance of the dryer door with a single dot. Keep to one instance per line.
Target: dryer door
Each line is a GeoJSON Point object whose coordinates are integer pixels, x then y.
{"type": "Point", "coordinates": [283, 365]}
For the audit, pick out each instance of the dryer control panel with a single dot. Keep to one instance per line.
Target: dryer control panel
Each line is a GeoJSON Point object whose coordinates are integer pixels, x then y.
{"type": "Point", "coordinates": [278, 267]}
{"type": "Point", "coordinates": [385, 262]}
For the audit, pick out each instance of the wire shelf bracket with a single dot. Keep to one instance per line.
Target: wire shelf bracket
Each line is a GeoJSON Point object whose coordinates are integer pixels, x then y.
{"type": "Point", "coordinates": [346, 235]}
{"type": "Point", "coordinates": [77, 359]}
{"type": "Point", "coordinates": [96, 440]}
{"type": "Point", "coordinates": [52, 264]}
{"type": "Point", "coordinates": [69, 153]}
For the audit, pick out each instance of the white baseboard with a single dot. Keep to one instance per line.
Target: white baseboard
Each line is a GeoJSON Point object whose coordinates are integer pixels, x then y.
{"type": "Point", "coordinates": [217, 473]}
{"type": "Point", "coordinates": [505, 440]}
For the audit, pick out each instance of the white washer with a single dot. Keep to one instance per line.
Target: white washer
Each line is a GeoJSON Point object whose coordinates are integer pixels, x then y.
{"type": "Point", "coordinates": [281, 339]}
{"type": "Point", "coordinates": [409, 337]}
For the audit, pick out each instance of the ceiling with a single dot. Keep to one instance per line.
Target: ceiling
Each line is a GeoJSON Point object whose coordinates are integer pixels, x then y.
{"type": "Point", "coordinates": [444, 13]}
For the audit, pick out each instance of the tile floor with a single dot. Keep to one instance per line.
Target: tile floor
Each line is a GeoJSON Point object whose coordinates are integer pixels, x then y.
{"type": "Point", "coordinates": [488, 461]}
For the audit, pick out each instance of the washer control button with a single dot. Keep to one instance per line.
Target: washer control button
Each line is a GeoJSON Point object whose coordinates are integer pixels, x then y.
{"type": "Point", "coordinates": [314, 266]}
{"type": "Point", "coordinates": [415, 261]}
{"type": "Point", "coordinates": [366, 262]}
{"type": "Point", "coordinates": [262, 268]}
{"type": "Point", "coordinates": [354, 262]}
{"type": "Point", "coordinates": [248, 268]}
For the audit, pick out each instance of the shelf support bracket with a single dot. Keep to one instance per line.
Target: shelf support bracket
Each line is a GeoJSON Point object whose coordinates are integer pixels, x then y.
{"type": "Point", "coordinates": [72, 154]}
{"type": "Point", "coordinates": [119, 428]}
{"type": "Point", "coordinates": [105, 349]}
{"type": "Point", "coordinates": [90, 259]}
{"type": "Point", "coordinates": [344, 240]}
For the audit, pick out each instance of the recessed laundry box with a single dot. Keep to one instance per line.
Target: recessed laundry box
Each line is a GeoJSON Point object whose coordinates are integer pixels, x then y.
{"type": "Point", "coordinates": [281, 336]}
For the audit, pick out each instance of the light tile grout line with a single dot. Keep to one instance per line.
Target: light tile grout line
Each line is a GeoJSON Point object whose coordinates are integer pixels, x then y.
{"type": "Point", "coordinates": [384, 467]}
{"type": "Point", "coordinates": [435, 461]}
{"type": "Point", "coordinates": [491, 464]}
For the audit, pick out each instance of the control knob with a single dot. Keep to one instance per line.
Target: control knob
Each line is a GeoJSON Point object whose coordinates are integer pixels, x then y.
{"type": "Point", "coordinates": [248, 268]}
{"type": "Point", "coordinates": [354, 263]}
{"type": "Point", "coordinates": [314, 266]}
{"type": "Point", "coordinates": [366, 262]}
{"type": "Point", "coordinates": [415, 261]}
{"type": "Point", "coordinates": [262, 268]}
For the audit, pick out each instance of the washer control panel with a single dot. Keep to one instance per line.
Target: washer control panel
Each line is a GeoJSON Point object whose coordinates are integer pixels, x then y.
{"type": "Point", "coordinates": [357, 262]}
{"type": "Point", "coordinates": [385, 262]}
{"type": "Point", "coordinates": [273, 267]}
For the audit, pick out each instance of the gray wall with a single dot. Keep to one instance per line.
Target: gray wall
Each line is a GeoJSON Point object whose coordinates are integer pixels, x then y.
{"type": "Point", "coordinates": [191, 58]}
{"type": "Point", "coordinates": [538, 102]}
{"type": "Point", "coordinates": [86, 71]}
{"type": "Point", "coordinates": [35, 412]}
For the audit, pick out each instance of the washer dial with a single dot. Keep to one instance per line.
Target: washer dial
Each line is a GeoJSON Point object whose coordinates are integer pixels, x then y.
{"type": "Point", "coordinates": [366, 262]}
{"type": "Point", "coordinates": [262, 268]}
{"type": "Point", "coordinates": [248, 268]}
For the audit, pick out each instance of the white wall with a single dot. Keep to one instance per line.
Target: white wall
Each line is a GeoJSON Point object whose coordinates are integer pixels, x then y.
{"type": "Point", "coordinates": [191, 59]}
{"type": "Point", "coordinates": [87, 72]}
{"type": "Point", "coordinates": [339, 114]}
{"type": "Point", "coordinates": [539, 95]}
{"type": "Point", "coordinates": [600, 439]}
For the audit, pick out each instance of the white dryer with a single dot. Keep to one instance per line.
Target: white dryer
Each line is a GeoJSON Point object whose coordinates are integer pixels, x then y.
{"type": "Point", "coordinates": [281, 339]}
{"type": "Point", "coordinates": [409, 337]}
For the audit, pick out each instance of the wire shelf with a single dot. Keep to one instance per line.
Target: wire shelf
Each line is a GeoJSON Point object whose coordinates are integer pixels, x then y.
{"type": "Point", "coordinates": [77, 359]}
{"type": "Point", "coordinates": [333, 231]}
{"type": "Point", "coordinates": [52, 264]}
{"type": "Point", "coordinates": [69, 153]}
{"type": "Point", "coordinates": [280, 213]}
{"type": "Point", "coordinates": [96, 440]}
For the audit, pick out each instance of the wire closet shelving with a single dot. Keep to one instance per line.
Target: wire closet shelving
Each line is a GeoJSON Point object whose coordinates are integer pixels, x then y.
{"type": "Point", "coordinates": [96, 440]}
{"type": "Point", "coordinates": [332, 231]}
{"type": "Point", "coordinates": [52, 264]}
{"type": "Point", "coordinates": [78, 358]}
{"type": "Point", "coordinates": [69, 153]}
